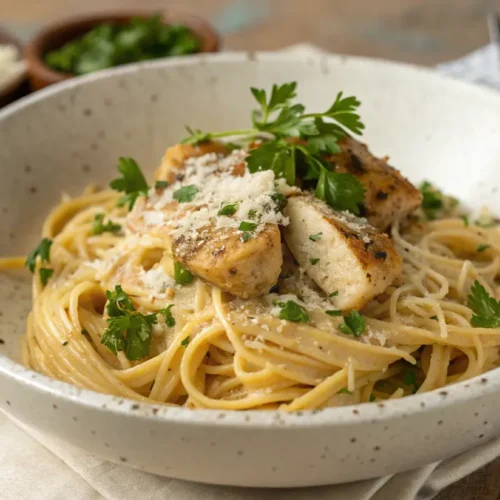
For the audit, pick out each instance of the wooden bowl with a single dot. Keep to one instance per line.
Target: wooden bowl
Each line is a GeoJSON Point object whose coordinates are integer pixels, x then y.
{"type": "Point", "coordinates": [60, 32]}
{"type": "Point", "coordinates": [18, 87]}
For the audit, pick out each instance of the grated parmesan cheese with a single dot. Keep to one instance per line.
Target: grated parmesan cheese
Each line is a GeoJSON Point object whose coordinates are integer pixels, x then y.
{"type": "Point", "coordinates": [157, 280]}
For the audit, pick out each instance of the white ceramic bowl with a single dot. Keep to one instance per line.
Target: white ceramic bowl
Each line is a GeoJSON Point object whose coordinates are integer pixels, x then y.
{"type": "Point", "coordinates": [72, 134]}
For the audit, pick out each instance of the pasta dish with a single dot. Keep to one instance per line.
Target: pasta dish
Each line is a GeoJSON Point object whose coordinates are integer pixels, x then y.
{"type": "Point", "coordinates": [282, 266]}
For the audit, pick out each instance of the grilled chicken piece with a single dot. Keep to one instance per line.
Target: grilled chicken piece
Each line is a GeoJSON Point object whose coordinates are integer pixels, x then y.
{"type": "Point", "coordinates": [345, 254]}
{"type": "Point", "coordinates": [174, 158]}
{"type": "Point", "coordinates": [242, 268]}
{"type": "Point", "coordinates": [389, 196]}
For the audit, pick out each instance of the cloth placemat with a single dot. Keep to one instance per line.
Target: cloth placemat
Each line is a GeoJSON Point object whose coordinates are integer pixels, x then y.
{"type": "Point", "coordinates": [34, 466]}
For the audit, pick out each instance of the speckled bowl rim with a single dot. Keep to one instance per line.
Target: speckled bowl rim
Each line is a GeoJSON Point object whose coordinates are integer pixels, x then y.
{"type": "Point", "coordinates": [468, 390]}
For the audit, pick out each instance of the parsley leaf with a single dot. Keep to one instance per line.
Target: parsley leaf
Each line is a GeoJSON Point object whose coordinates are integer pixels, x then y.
{"type": "Point", "coordinates": [485, 308]}
{"type": "Point", "coordinates": [334, 294]}
{"type": "Point", "coordinates": [340, 191]}
{"type": "Point", "coordinates": [98, 226]}
{"type": "Point", "coordinates": [482, 248]}
{"type": "Point", "coordinates": [196, 136]}
{"type": "Point", "coordinates": [354, 324]}
{"type": "Point", "coordinates": [247, 226]}
{"type": "Point", "coordinates": [314, 261]}
{"type": "Point", "coordinates": [315, 237]}
{"type": "Point", "coordinates": [411, 379]}
{"type": "Point", "coordinates": [185, 342]}
{"type": "Point", "coordinates": [344, 390]}
{"type": "Point", "coordinates": [42, 251]}
{"type": "Point", "coordinates": [280, 97]}
{"type": "Point", "coordinates": [128, 330]}
{"type": "Point", "coordinates": [132, 182]}
{"type": "Point", "coordinates": [246, 236]}
{"type": "Point", "coordinates": [291, 311]}
{"type": "Point", "coordinates": [161, 184]}
{"type": "Point", "coordinates": [333, 312]}
{"type": "Point", "coordinates": [229, 209]}
{"type": "Point", "coordinates": [432, 200]}
{"type": "Point", "coordinates": [325, 139]}
{"type": "Point", "coordinates": [343, 110]}
{"type": "Point", "coordinates": [185, 194]}
{"type": "Point", "coordinates": [167, 314]}
{"type": "Point", "coordinates": [45, 274]}
{"type": "Point", "coordinates": [182, 275]}
{"type": "Point", "coordinates": [276, 156]}
{"type": "Point", "coordinates": [372, 398]}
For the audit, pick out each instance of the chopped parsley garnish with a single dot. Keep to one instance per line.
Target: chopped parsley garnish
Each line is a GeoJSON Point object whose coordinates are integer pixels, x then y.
{"type": "Point", "coordinates": [132, 182]}
{"type": "Point", "coordinates": [432, 200]}
{"type": "Point", "coordinates": [485, 308]}
{"type": "Point", "coordinates": [354, 324]}
{"type": "Point", "coordinates": [247, 226]}
{"type": "Point", "coordinates": [42, 251]}
{"type": "Point", "coordinates": [99, 227]}
{"type": "Point", "coordinates": [84, 332]}
{"type": "Point", "coordinates": [229, 209]}
{"type": "Point", "coordinates": [280, 200]}
{"type": "Point", "coordinates": [334, 294]}
{"type": "Point", "coordinates": [167, 314]}
{"type": "Point", "coordinates": [65, 343]}
{"type": "Point", "coordinates": [185, 342]}
{"type": "Point", "coordinates": [314, 261]}
{"type": "Point", "coordinates": [45, 274]}
{"type": "Point", "coordinates": [411, 380]}
{"type": "Point", "coordinates": [281, 118]}
{"type": "Point", "coordinates": [110, 44]}
{"type": "Point", "coordinates": [315, 237]}
{"type": "Point", "coordinates": [161, 184]}
{"type": "Point", "coordinates": [182, 275]}
{"type": "Point", "coordinates": [434, 317]}
{"type": "Point", "coordinates": [334, 312]}
{"type": "Point", "coordinates": [372, 398]}
{"type": "Point", "coordinates": [344, 390]}
{"type": "Point", "coordinates": [246, 236]}
{"type": "Point", "coordinates": [291, 311]}
{"type": "Point", "coordinates": [128, 330]}
{"type": "Point", "coordinates": [482, 248]}
{"type": "Point", "coordinates": [466, 220]}
{"type": "Point", "coordinates": [185, 194]}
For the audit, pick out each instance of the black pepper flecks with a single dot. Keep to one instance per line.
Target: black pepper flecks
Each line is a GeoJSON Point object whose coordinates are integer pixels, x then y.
{"type": "Point", "coordinates": [381, 195]}
{"type": "Point", "coordinates": [381, 255]}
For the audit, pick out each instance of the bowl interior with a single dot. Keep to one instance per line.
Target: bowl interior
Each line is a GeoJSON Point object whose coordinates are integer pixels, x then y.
{"type": "Point", "coordinates": [69, 136]}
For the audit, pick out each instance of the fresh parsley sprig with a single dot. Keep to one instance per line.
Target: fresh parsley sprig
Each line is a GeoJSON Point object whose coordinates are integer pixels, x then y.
{"type": "Point", "coordinates": [132, 182]}
{"type": "Point", "coordinates": [485, 308]}
{"type": "Point", "coordinates": [128, 330]}
{"type": "Point", "coordinates": [291, 311]}
{"type": "Point", "coordinates": [314, 136]}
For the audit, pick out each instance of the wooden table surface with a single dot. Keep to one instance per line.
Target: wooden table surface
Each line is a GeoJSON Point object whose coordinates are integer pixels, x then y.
{"type": "Point", "coordinates": [418, 31]}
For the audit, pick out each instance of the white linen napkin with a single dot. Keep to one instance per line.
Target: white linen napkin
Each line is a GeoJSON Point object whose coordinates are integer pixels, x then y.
{"type": "Point", "coordinates": [34, 466]}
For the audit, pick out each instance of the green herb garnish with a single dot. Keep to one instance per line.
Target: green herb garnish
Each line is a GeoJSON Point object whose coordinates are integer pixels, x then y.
{"type": "Point", "coordinates": [42, 251]}
{"type": "Point", "coordinates": [411, 379]}
{"type": "Point", "coordinates": [161, 184]}
{"type": "Point", "coordinates": [291, 311]}
{"type": "Point", "coordinates": [229, 209]}
{"type": "Point", "coordinates": [185, 342]}
{"type": "Point", "coordinates": [485, 308]}
{"type": "Point", "coordinates": [246, 236]}
{"type": "Point", "coordinates": [314, 261]}
{"type": "Point", "coordinates": [315, 237]}
{"type": "Point", "coordinates": [344, 390]}
{"type": "Point", "coordinates": [65, 343]}
{"type": "Point", "coordinates": [167, 314]}
{"type": "Point", "coordinates": [247, 226]}
{"type": "Point", "coordinates": [45, 274]}
{"type": "Point", "coordinates": [334, 294]}
{"type": "Point", "coordinates": [185, 194]}
{"type": "Point", "coordinates": [432, 200]}
{"type": "Point", "coordinates": [372, 398]}
{"type": "Point", "coordinates": [132, 182]}
{"type": "Point", "coordinates": [354, 324]}
{"type": "Point", "coordinates": [111, 44]}
{"type": "Point", "coordinates": [128, 330]}
{"type": "Point", "coordinates": [282, 119]}
{"type": "Point", "coordinates": [466, 220]}
{"type": "Point", "coordinates": [182, 275]}
{"type": "Point", "coordinates": [98, 226]}
{"type": "Point", "coordinates": [482, 248]}
{"type": "Point", "coordinates": [334, 312]}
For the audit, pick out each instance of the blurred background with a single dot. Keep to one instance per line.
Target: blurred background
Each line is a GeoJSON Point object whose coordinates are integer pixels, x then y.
{"type": "Point", "coordinates": [418, 31]}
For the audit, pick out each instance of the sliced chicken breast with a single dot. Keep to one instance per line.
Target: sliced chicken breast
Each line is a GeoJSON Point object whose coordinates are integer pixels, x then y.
{"type": "Point", "coordinates": [340, 252]}
{"type": "Point", "coordinates": [389, 196]}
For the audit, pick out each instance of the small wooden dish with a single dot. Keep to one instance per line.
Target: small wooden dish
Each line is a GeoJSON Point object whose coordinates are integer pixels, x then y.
{"type": "Point", "coordinates": [58, 33]}
{"type": "Point", "coordinates": [18, 86]}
